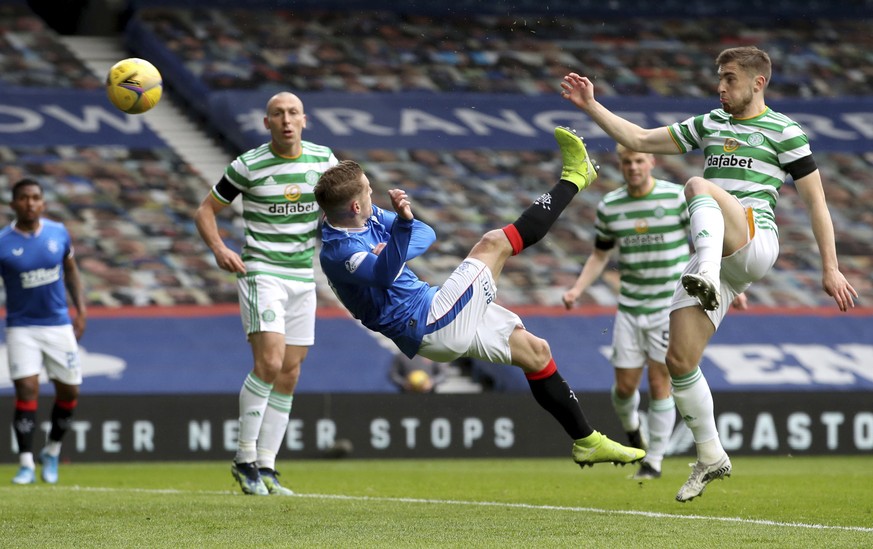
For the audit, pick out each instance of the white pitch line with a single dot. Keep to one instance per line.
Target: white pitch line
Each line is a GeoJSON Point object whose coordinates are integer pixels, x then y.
{"type": "Point", "coordinates": [648, 514]}
{"type": "Point", "coordinates": [528, 506]}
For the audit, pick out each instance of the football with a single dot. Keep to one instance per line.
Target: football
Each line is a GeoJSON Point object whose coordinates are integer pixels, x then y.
{"type": "Point", "coordinates": [134, 85]}
{"type": "Point", "coordinates": [419, 381]}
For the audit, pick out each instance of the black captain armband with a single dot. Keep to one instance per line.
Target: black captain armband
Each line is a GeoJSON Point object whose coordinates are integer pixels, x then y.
{"type": "Point", "coordinates": [226, 189]}
{"type": "Point", "coordinates": [604, 245]}
{"type": "Point", "coordinates": [801, 168]}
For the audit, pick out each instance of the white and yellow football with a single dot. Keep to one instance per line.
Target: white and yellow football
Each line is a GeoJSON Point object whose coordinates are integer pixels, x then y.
{"type": "Point", "coordinates": [419, 381]}
{"type": "Point", "coordinates": [134, 85]}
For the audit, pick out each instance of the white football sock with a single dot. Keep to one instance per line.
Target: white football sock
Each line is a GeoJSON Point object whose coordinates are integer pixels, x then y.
{"type": "Point", "coordinates": [25, 459]}
{"type": "Point", "coordinates": [707, 232]}
{"type": "Point", "coordinates": [273, 429]}
{"type": "Point", "coordinates": [627, 410]}
{"type": "Point", "coordinates": [694, 401]}
{"type": "Point", "coordinates": [662, 418]}
{"type": "Point", "coordinates": [53, 448]}
{"type": "Point", "coordinates": [252, 406]}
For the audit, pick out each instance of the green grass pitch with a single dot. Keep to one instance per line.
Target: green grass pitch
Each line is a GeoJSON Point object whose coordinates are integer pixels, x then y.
{"type": "Point", "coordinates": [539, 503]}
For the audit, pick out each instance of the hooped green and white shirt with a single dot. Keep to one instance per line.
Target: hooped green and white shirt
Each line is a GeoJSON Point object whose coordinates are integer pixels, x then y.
{"type": "Point", "coordinates": [280, 214]}
{"type": "Point", "coordinates": [746, 157]}
{"type": "Point", "coordinates": [651, 232]}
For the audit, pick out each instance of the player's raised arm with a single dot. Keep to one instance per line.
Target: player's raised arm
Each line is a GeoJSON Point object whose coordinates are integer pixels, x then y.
{"type": "Point", "coordinates": [423, 234]}
{"type": "Point", "coordinates": [579, 90]}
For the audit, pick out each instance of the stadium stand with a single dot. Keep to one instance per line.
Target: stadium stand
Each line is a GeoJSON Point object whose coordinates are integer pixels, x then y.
{"type": "Point", "coordinates": [382, 51]}
{"type": "Point", "coordinates": [129, 213]}
{"type": "Point", "coordinates": [130, 209]}
{"type": "Point", "coordinates": [32, 56]}
{"type": "Point", "coordinates": [127, 208]}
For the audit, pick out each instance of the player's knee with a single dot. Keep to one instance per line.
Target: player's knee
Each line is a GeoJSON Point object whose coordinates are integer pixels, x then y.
{"type": "Point", "coordinates": [625, 388]}
{"type": "Point", "coordinates": [27, 388]}
{"type": "Point", "coordinates": [677, 365]}
{"type": "Point", "coordinates": [268, 370]}
{"type": "Point", "coordinates": [67, 392]}
{"type": "Point", "coordinates": [26, 393]}
{"type": "Point", "coordinates": [695, 186]}
{"type": "Point", "coordinates": [495, 241]}
{"type": "Point", "coordinates": [287, 378]}
{"type": "Point", "coordinates": [541, 350]}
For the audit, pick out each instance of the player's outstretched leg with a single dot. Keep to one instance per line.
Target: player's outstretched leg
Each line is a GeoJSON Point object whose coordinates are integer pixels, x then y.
{"type": "Point", "coordinates": [598, 448]}
{"type": "Point", "coordinates": [701, 475]}
{"type": "Point", "coordinates": [578, 167]}
{"type": "Point", "coordinates": [553, 393]}
{"type": "Point", "coordinates": [577, 173]}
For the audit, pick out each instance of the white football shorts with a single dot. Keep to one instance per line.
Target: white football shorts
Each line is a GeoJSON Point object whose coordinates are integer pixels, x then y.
{"type": "Point", "coordinates": [738, 271]}
{"type": "Point", "coordinates": [636, 338]}
{"type": "Point", "coordinates": [273, 304]}
{"type": "Point", "coordinates": [480, 328]}
{"type": "Point", "coordinates": [29, 348]}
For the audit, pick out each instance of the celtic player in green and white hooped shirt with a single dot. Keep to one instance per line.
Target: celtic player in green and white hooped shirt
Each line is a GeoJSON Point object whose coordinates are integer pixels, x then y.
{"type": "Point", "coordinates": [280, 214]}
{"type": "Point", "coordinates": [275, 278]}
{"type": "Point", "coordinates": [750, 151]}
{"type": "Point", "coordinates": [646, 222]}
{"type": "Point", "coordinates": [749, 158]}
{"type": "Point", "coordinates": [652, 236]}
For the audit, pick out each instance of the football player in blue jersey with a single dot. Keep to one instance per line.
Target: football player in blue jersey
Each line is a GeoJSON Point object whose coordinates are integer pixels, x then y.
{"type": "Point", "coordinates": [364, 254]}
{"type": "Point", "coordinates": [38, 271]}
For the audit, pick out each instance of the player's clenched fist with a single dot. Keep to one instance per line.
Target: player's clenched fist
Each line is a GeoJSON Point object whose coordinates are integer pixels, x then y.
{"type": "Point", "coordinates": [401, 203]}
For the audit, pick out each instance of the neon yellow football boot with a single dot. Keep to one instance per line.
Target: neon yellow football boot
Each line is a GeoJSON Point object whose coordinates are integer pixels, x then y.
{"type": "Point", "coordinates": [578, 167]}
{"type": "Point", "coordinates": [598, 448]}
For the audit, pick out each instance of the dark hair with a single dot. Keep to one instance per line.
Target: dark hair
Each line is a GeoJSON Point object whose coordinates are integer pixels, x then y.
{"type": "Point", "coordinates": [26, 182]}
{"type": "Point", "coordinates": [338, 186]}
{"type": "Point", "coordinates": [749, 58]}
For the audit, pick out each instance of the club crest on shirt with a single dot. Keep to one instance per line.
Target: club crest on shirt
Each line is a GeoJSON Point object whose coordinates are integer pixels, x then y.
{"type": "Point", "coordinates": [311, 177]}
{"type": "Point", "coordinates": [53, 246]}
{"type": "Point", "coordinates": [756, 139]}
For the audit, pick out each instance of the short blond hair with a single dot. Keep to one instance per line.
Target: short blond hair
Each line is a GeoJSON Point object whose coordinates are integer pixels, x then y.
{"type": "Point", "coordinates": [338, 186]}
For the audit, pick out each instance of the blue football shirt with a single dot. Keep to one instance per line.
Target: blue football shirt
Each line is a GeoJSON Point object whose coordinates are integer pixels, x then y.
{"type": "Point", "coordinates": [381, 290]}
{"type": "Point", "coordinates": [32, 268]}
